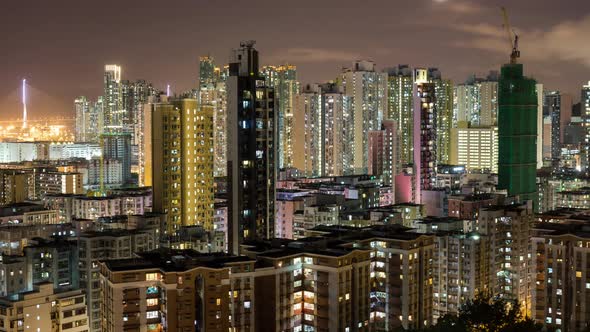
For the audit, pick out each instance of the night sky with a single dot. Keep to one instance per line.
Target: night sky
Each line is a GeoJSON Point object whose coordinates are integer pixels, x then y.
{"type": "Point", "coordinates": [61, 46]}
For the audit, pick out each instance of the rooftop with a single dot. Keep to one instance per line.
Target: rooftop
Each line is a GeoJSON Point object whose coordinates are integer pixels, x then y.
{"type": "Point", "coordinates": [169, 260]}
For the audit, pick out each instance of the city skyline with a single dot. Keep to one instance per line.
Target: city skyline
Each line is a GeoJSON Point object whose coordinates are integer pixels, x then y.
{"type": "Point", "coordinates": [319, 45]}
{"type": "Point", "coordinates": [380, 166]}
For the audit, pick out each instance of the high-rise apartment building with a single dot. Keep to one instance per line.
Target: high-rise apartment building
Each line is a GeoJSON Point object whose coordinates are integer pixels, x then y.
{"type": "Point", "coordinates": [476, 101]}
{"type": "Point", "coordinates": [212, 91]}
{"type": "Point", "coordinates": [400, 101]}
{"type": "Point", "coordinates": [558, 106]}
{"type": "Point", "coordinates": [207, 71]}
{"type": "Point", "coordinates": [559, 271]}
{"type": "Point", "coordinates": [383, 153]}
{"type": "Point", "coordinates": [117, 146]}
{"type": "Point", "coordinates": [540, 125]}
{"type": "Point", "coordinates": [517, 133]}
{"type": "Point", "coordinates": [137, 96]}
{"type": "Point", "coordinates": [321, 131]}
{"type": "Point", "coordinates": [460, 269]}
{"type": "Point", "coordinates": [123, 107]}
{"type": "Point", "coordinates": [402, 263]}
{"type": "Point", "coordinates": [251, 149]}
{"type": "Point", "coordinates": [376, 152]}
{"type": "Point", "coordinates": [476, 148]}
{"type": "Point", "coordinates": [425, 133]}
{"type": "Point", "coordinates": [89, 119]}
{"type": "Point", "coordinates": [368, 89]}
{"type": "Point", "coordinates": [508, 228]}
{"type": "Point", "coordinates": [327, 289]}
{"type": "Point", "coordinates": [81, 109]}
{"type": "Point", "coordinates": [179, 141]}
{"type": "Point", "coordinates": [337, 130]}
{"type": "Point", "coordinates": [585, 112]}
{"type": "Point", "coordinates": [443, 91]}
{"type": "Point", "coordinates": [113, 103]}
{"type": "Point", "coordinates": [283, 79]}
{"type": "Point", "coordinates": [112, 244]}
{"type": "Point", "coordinates": [308, 131]}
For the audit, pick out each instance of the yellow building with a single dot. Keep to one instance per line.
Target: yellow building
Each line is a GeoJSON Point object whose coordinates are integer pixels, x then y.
{"type": "Point", "coordinates": [180, 162]}
{"type": "Point", "coordinates": [13, 187]}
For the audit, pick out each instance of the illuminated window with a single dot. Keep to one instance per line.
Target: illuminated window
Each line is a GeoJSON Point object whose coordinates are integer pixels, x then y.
{"type": "Point", "coordinates": [151, 302]}
{"type": "Point", "coordinates": [151, 276]}
{"type": "Point", "coordinates": [151, 314]}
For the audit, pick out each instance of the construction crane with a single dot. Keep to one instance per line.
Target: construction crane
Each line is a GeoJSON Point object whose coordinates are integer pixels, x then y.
{"type": "Point", "coordinates": [511, 35]}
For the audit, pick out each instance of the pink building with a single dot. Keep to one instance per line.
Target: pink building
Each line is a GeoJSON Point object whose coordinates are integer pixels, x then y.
{"type": "Point", "coordinates": [288, 202]}
{"type": "Point", "coordinates": [383, 160]}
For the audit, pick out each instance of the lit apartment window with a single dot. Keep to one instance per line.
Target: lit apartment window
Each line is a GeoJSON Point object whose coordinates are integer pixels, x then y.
{"type": "Point", "coordinates": [151, 276]}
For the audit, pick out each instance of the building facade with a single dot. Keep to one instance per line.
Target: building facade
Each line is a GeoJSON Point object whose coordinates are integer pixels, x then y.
{"type": "Point", "coordinates": [252, 148]}
{"type": "Point", "coordinates": [425, 133]}
{"type": "Point", "coordinates": [368, 89]}
{"type": "Point", "coordinates": [517, 133]}
{"type": "Point", "coordinates": [180, 166]}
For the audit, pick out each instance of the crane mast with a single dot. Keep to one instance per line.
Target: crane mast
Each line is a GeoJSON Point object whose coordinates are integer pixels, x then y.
{"type": "Point", "coordinates": [512, 38]}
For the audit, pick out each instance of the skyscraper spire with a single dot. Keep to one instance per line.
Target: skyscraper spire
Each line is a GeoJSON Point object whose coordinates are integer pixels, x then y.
{"type": "Point", "coordinates": [24, 103]}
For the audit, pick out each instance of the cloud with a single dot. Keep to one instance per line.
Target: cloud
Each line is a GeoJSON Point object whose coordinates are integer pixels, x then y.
{"type": "Point", "coordinates": [308, 55]}
{"type": "Point", "coordinates": [457, 6]}
{"type": "Point", "coordinates": [566, 41]}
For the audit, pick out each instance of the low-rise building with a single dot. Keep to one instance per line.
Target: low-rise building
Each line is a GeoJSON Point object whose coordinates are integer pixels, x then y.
{"type": "Point", "coordinates": [579, 198]}
{"type": "Point", "coordinates": [86, 207]}
{"type": "Point", "coordinates": [13, 187]}
{"type": "Point", "coordinates": [196, 238]}
{"type": "Point", "coordinates": [27, 214]}
{"type": "Point", "coordinates": [43, 309]}
{"type": "Point", "coordinates": [13, 275]}
{"type": "Point", "coordinates": [53, 261]}
{"type": "Point", "coordinates": [14, 238]}
{"type": "Point", "coordinates": [468, 206]}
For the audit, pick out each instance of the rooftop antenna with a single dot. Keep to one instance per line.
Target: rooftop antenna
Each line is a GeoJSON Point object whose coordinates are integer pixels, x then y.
{"type": "Point", "coordinates": [24, 103]}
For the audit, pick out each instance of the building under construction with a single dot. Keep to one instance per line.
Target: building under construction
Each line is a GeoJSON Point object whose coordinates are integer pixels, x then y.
{"type": "Point", "coordinates": [517, 126]}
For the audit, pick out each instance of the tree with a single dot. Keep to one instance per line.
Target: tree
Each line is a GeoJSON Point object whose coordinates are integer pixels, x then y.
{"type": "Point", "coordinates": [489, 314]}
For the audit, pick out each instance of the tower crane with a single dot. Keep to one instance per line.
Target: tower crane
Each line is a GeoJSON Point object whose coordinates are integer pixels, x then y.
{"type": "Point", "coordinates": [511, 35]}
